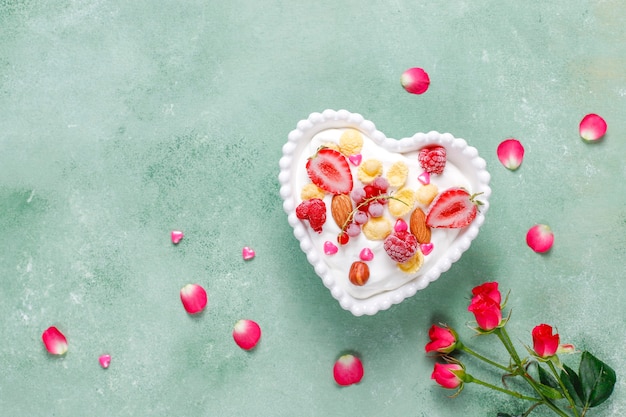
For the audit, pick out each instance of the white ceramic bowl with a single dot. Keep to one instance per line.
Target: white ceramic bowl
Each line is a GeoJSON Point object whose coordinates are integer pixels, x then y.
{"type": "Point", "coordinates": [467, 169]}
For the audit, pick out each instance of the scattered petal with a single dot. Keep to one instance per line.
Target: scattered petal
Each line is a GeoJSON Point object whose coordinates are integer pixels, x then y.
{"type": "Point", "coordinates": [510, 153]}
{"type": "Point", "coordinates": [592, 127]}
{"type": "Point", "coordinates": [540, 238]}
{"type": "Point", "coordinates": [356, 159]}
{"type": "Point", "coordinates": [55, 341]}
{"type": "Point", "coordinates": [246, 334]}
{"type": "Point", "coordinates": [194, 298]}
{"type": "Point", "coordinates": [415, 80]}
{"type": "Point", "coordinates": [366, 254]}
{"type": "Point", "coordinates": [348, 370]}
{"type": "Point", "coordinates": [424, 178]}
{"type": "Point", "coordinates": [330, 248]}
{"type": "Point", "coordinates": [177, 236]}
{"type": "Point", "coordinates": [247, 253]}
{"type": "Point", "coordinates": [105, 361]}
{"type": "Point", "coordinates": [426, 248]}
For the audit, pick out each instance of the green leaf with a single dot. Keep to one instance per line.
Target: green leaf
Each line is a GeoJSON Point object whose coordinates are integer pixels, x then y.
{"type": "Point", "coordinates": [596, 378]}
{"type": "Point", "coordinates": [546, 378]}
{"type": "Point", "coordinates": [549, 392]}
{"type": "Point", "coordinates": [572, 384]}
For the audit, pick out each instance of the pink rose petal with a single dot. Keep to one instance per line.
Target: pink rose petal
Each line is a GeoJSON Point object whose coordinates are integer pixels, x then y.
{"type": "Point", "coordinates": [247, 253]}
{"type": "Point", "coordinates": [246, 334]}
{"type": "Point", "coordinates": [54, 341]}
{"type": "Point", "coordinates": [356, 159]}
{"type": "Point", "coordinates": [330, 248]}
{"type": "Point", "coordinates": [366, 254]}
{"type": "Point", "coordinates": [105, 361]}
{"type": "Point", "coordinates": [540, 238]}
{"type": "Point", "coordinates": [511, 153]}
{"type": "Point", "coordinates": [348, 370]}
{"type": "Point", "coordinates": [592, 127]}
{"type": "Point", "coordinates": [177, 236]}
{"type": "Point", "coordinates": [415, 80]}
{"type": "Point", "coordinates": [194, 298]}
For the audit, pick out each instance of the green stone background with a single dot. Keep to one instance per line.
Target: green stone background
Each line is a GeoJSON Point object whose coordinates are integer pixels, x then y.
{"type": "Point", "coordinates": [123, 120]}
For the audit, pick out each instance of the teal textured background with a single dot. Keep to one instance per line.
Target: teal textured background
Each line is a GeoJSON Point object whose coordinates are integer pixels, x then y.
{"type": "Point", "coordinates": [124, 120]}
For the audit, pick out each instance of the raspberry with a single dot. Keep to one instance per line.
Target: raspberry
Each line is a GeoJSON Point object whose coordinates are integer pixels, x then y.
{"type": "Point", "coordinates": [401, 246]}
{"type": "Point", "coordinates": [432, 159]}
{"type": "Point", "coordinates": [313, 210]}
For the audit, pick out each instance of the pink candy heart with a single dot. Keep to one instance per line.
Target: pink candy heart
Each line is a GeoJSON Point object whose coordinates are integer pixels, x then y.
{"type": "Point", "coordinates": [105, 361]}
{"type": "Point", "coordinates": [177, 236]}
{"type": "Point", "coordinates": [330, 248]}
{"type": "Point", "coordinates": [356, 159]}
{"type": "Point", "coordinates": [366, 254]}
{"type": "Point", "coordinates": [426, 248]}
{"type": "Point", "coordinates": [247, 253]}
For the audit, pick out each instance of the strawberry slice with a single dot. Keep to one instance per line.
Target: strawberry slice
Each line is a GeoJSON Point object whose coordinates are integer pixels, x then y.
{"type": "Point", "coordinates": [330, 171]}
{"type": "Point", "coordinates": [452, 208]}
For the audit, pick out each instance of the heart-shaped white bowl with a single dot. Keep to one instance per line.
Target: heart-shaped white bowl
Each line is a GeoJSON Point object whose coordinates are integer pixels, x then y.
{"type": "Point", "coordinates": [464, 168]}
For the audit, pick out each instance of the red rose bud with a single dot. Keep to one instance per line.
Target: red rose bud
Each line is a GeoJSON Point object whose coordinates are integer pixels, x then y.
{"type": "Point", "coordinates": [448, 375]}
{"type": "Point", "coordinates": [442, 340]}
{"type": "Point", "coordinates": [487, 312]}
{"type": "Point", "coordinates": [545, 344]}
{"type": "Point", "coordinates": [487, 290]}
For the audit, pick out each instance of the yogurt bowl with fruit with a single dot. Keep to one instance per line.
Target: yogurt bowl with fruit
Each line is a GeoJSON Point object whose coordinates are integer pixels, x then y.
{"type": "Point", "coordinates": [379, 218]}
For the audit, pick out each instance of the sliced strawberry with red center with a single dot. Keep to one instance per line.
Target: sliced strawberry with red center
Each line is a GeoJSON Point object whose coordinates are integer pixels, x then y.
{"type": "Point", "coordinates": [330, 171]}
{"type": "Point", "coordinates": [452, 208]}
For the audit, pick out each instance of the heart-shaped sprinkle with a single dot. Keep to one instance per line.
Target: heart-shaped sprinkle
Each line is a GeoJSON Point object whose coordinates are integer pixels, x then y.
{"type": "Point", "coordinates": [330, 248]}
{"type": "Point", "coordinates": [247, 253]}
{"type": "Point", "coordinates": [177, 236]}
{"type": "Point", "coordinates": [426, 248]}
{"type": "Point", "coordinates": [366, 254]}
{"type": "Point", "coordinates": [400, 226]}
{"type": "Point", "coordinates": [424, 178]}
{"type": "Point", "coordinates": [356, 159]}
{"type": "Point", "coordinates": [105, 361]}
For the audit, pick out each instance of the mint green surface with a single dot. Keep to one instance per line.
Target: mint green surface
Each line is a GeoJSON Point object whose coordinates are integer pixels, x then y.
{"type": "Point", "coordinates": [123, 120]}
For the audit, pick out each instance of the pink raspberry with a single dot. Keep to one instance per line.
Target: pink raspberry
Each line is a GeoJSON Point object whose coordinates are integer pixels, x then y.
{"type": "Point", "coordinates": [401, 246]}
{"type": "Point", "coordinates": [432, 159]}
{"type": "Point", "coordinates": [313, 210]}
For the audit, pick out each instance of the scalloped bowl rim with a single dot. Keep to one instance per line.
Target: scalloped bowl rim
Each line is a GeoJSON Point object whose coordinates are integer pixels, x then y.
{"type": "Point", "coordinates": [456, 147]}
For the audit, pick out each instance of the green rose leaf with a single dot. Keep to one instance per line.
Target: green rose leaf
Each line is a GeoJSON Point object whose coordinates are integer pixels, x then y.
{"type": "Point", "coordinates": [546, 378]}
{"type": "Point", "coordinates": [597, 380]}
{"type": "Point", "coordinates": [571, 381]}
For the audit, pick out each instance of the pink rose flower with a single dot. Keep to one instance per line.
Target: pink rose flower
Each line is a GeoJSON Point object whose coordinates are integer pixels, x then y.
{"type": "Point", "coordinates": [545, 343]}
{"type": "Point", "coordinates": [488, 290]}
{"type": "Point", "coordinates": [444, 376]}
{"type": "Point", "coordinates": [442, 340]}
{"type": "Point", "coordinates": [485, 305]}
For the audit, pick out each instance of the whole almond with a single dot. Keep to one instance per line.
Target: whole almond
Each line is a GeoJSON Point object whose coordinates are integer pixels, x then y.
{"type": "Point", "coordinates": [340, 208]}
{"type": "Point", "coordinates": [418, 226]}
{"type": "Point", "coordinates": [359, 273]}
